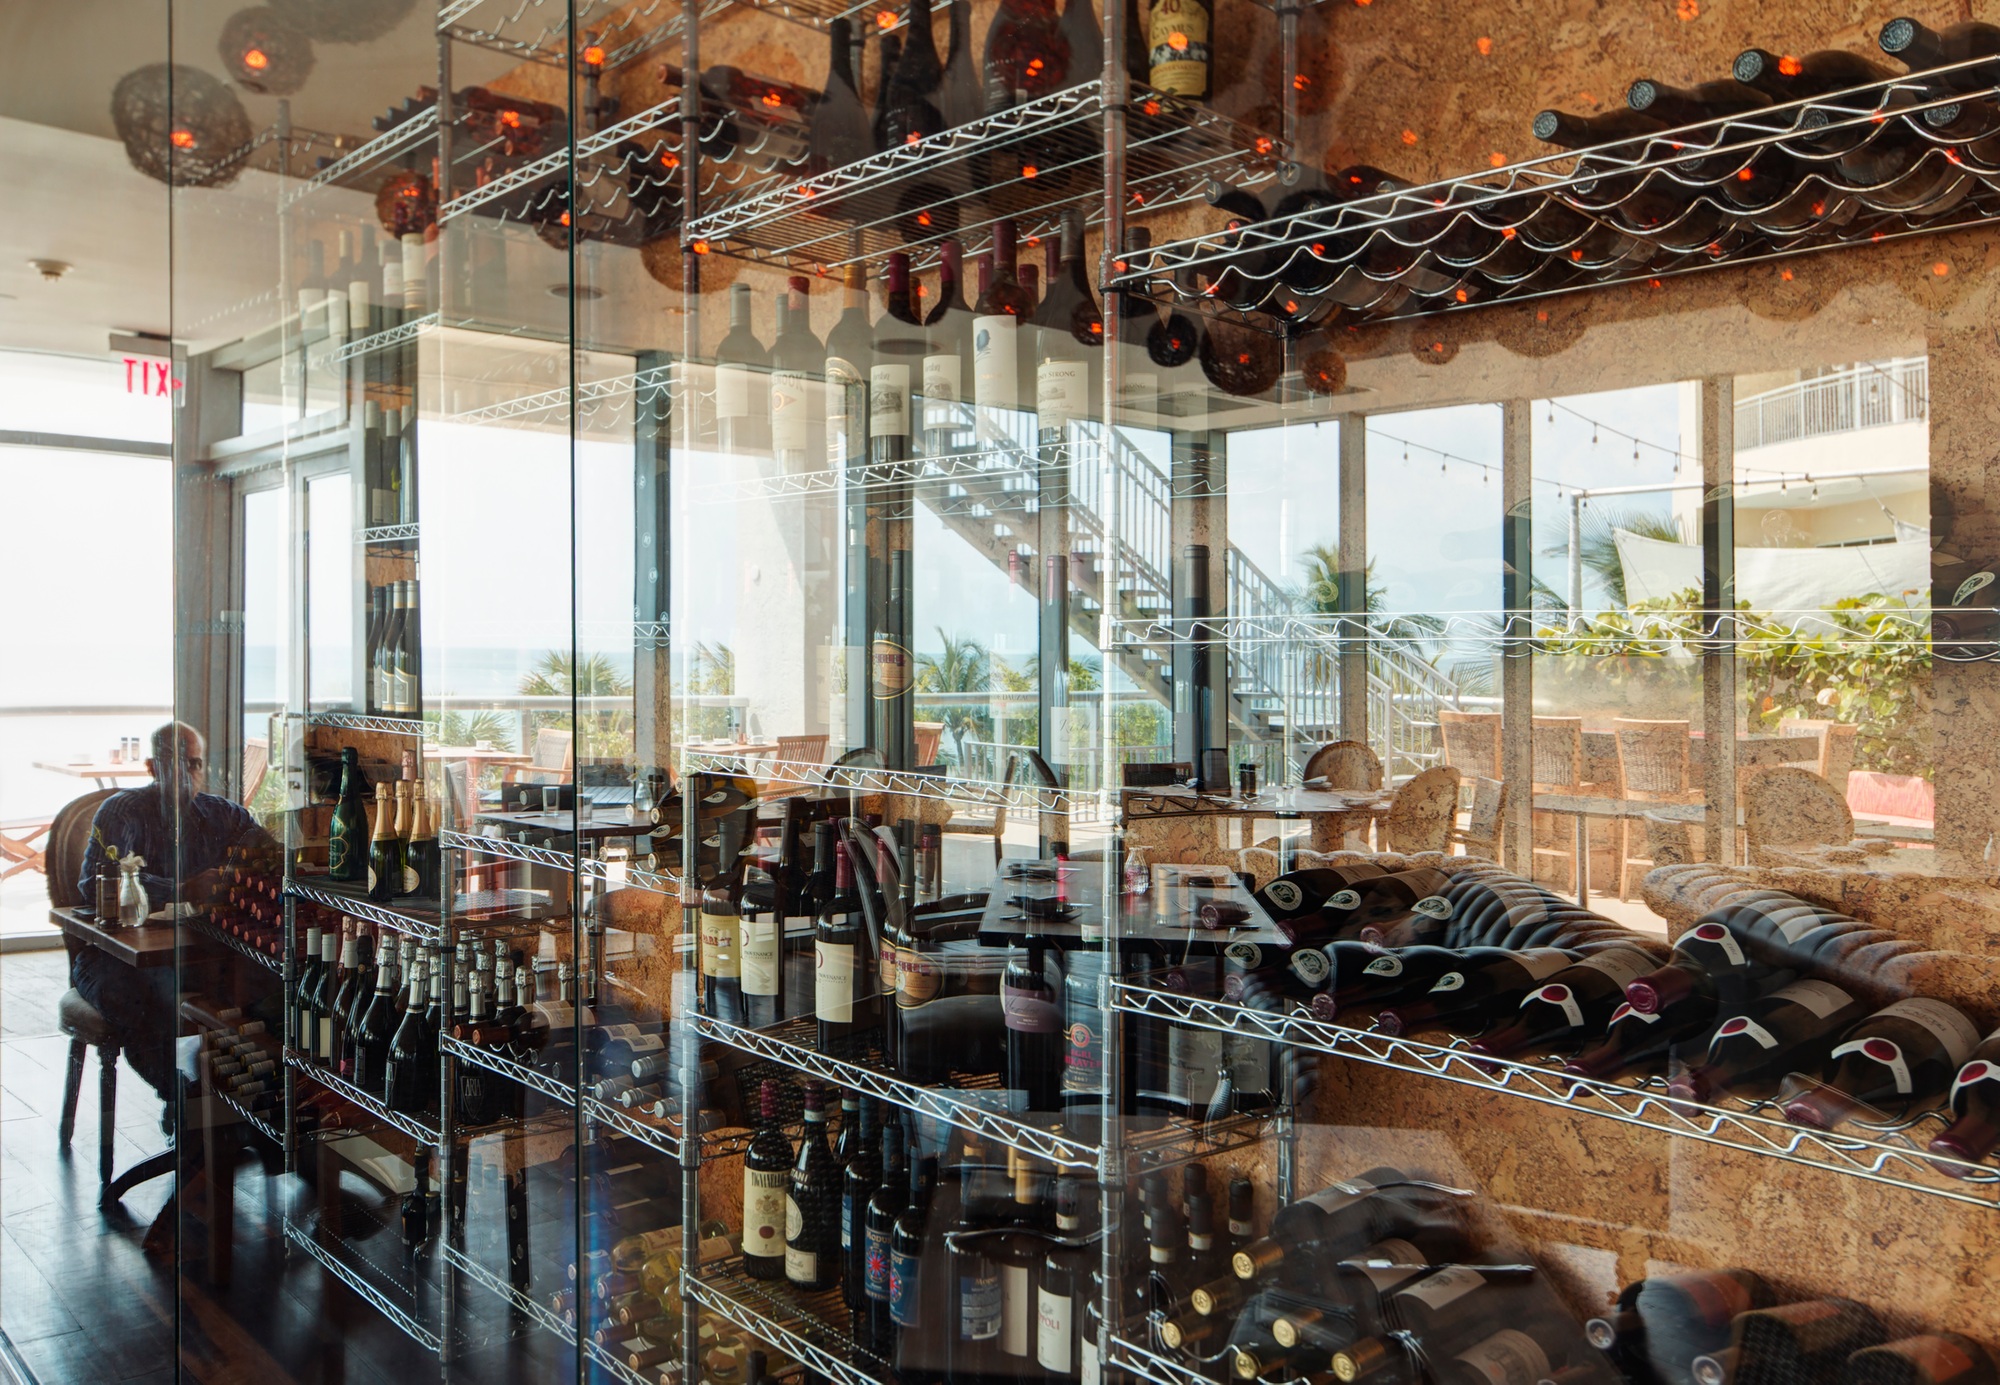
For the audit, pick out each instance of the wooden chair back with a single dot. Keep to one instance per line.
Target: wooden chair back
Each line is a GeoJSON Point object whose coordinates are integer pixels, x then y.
{"type": "Point", "coordinates": [1420, 818]}
{"type": "Point", "coordinates": [1556, 745]}
{"type": "Point", "coordinates": [802, 750]}
{"type": "Point", "coordinates": [551, 756]}
{"type": "Point", "coordinates": [1345, 765]}
{"type": "Point", "coordinates": [1260, 863]}
{"type": "Point", "coordinates": [1483, 822]}
{"type": "Point", "coordinates": [1471, 742]}
{"type": "Point", "coordinates": [69, 835]}
{"type": "Point", "coordinates": [1790, 806]}
{"type": "Point", "coordinates": [1836, 746]}
{"type": "Point", "coordinates": [256, 763]}
{"type": "Point", "coordinates": [929, 733]}
{"type": "Point", "coordinates": [1652, 758]}
{"type": "Point", "coordinates": [1668, 842]}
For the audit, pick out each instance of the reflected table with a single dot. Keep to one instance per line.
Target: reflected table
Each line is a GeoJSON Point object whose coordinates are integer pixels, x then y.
{"type": "Point", "coordinates": [1331, 813]}
{"type": "Point", "coordinates": [1064, 902]}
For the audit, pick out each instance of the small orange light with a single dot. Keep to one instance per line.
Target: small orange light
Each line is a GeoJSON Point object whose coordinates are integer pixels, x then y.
{"type": "Point", "coordinates": [1151, 108]}
{"type": "Point", "coordinates": [1263, 144]}
{"type": "Point", "coordinates": [1291, 305]}
{"type": "Point", "coordinates": [921, 290]}
{"type": "Point", "coordinates": [511, 119]}
{"type": "Point", "coordinates": [1876, 236]}
{"type": "Point", "coordinates": [1118, 266]}
{"type": "Point", "coordinates": [1176, 41]}
{"type": "Point", "coordinates": [256, 59]}
{"type": "Point", "coordinates": [772, 98]}
{"type": "Point", "coordinates": [1688, 11]}
{"type": "Point", "coordinates": [885, 19]}
{"type": "Point", "coordinates": [1497, 159]}
{"type": "Point", "coordinates": [1243, 358]}
{"type": "Point", "coordinates": [1409, 136]}
{"type": "Point", "coordinates": [1744, 175]}
{"type": "Point", "coordinates": [1790, 65]}
{"type": "Point", "coordinates": [912, 137]}
{"type": "Point", "coordinates": [1508, 233]}
{"type": "Point", "coordinates": [1208, 291]}
{"type": "Point", "coordinates": [923, 218]}
{"type": "Point", "coordinates": [1951, 154]}
{"type": "Point", "coordinates": [701, 247]}
{"type": "Point", "coordinates": [1819, 209]}
{"type": "Point", "coordinates": [670, 160]}
{"type": "Point", "coordinates": [1654, 284]}
{"type": "Point", "coordinates": [1576, 255]}
{"type": "Point", "coordinates": [1541, 314]}
{"type": "Point", "coordinates": [1940, 269]}
{"type": "Point", "coordinates": [1485, 46]}
{"type": "Point", "coordinates": [593, 56]}
{"type": "Point", "coordinates": [1029, 171]}
{"type": "Point", "coordinates": [1034, 67]}
{"type": "Point", "coordinates": [182, 139]}
{"type": "Point", "coordinates": [1459, 294]}
{"type": "Point", "coordinates": [565, 218]}
{"type": "Point", "coordinates": [1300, 82]}
{"type": "Point", "coordinates": [1139, 198]}
{"type": "Point", "coordinates": [1319, 247]}
{"type": "Point", "coordinates": [1786, 275]}
{"type": "Point", "coordinates": [1097, 329]}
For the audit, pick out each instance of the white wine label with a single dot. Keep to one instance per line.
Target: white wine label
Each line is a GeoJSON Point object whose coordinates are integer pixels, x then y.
{"type": "Point", "coordinates": [1792, 929]}
{"type": "Point", "coordinates": [1194, 1059]}
{"type": "Point", "coordinates": [889, 401]}
{"type": "Point", "coordinates": [1626, 1012]}
{"type": "Point", "coordinates": [1343, 899]}
{"type": "Point", "coordinates": [1623, 965]}
{"type": "Point", "coordinates": [1284, 894]}
{"type": "Point", "coordinates": [1823, 998]}
{"type": "Point", "coordinates": [1742, 1024]}
{"type": "Point", "coordinates": [795, 1221]}
{"type": "Point", "coordinates": [1017, 1309]}
{"type": "Point", "coordinates": [1446, 1286]}
{"type": "Point", "coordinates": [1249, 1063]}
{"type": "Point", "coordinates": [1432, 907]}
{"type": "Point", "coordinates": [979, 1307]}
{"type": "Point", "coordinates": [719, 943]}
{"type": "Point", "coordinates": [1140, 389]}
{"type": "Point", "coordinates": [732, 391]}
{"type": "Point", "coordinates": [846, 413]}
{"type": "Point", "coordinates": [833, 982]}
{"type": "Point", "coordinates": [995, 363]}
{"type": "Point", "coordinates": [1053, 1331]}
{"type": "Point", "coordinates": [1384, 966]}
{"type": "Point", "coordinates": [1543, 961]}
{"type": "Point", "coordinates": [1062, 392]}
{"type": "Point", "coordinates": [944, 391]}
{"type": "Point", "coordinates": [1507, 1358]}
{"type": "Point", "coordinates": [1880, 1051]}
{"type": "Point", "coordinates": [1311, 966]}
{"type": "Point", "coordinates": [1562, 998]}
{"type": "Point", "coordinates": [791, 410]}
{"type": "Point", "coordinates": [1248, 956]}
{"type": "Point", "coordinates": [1717, 936]}
{"type": "Point", "coordinates": [409, 880]}
{"type": "Point", "coordinates": [764, 1212]}
{"type": "Point", "coordinates": [762, 954]}
{"type": "Point", "coordinates": [1973, 1073]}
{"type": "Point", "coordinates": [1945, 1023]}
{"type": "Point", "coordinates": [891, 672]}
{"type": "Point", "coordinates": [1090, 1367]}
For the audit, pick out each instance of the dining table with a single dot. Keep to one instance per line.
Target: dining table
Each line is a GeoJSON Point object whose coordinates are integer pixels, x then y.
{"type": "Point", "coordinates": [1330, 813]}
{"type": "Point", "coordinates": [106, 774]}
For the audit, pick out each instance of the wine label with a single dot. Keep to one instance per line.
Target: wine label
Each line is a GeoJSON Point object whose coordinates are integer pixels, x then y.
{"type": "Point", "coordinates": [1945, 1023]}
{"type": "Point", "coordinates": [1089, 1366]}
{"type": "Point", "coordinates": [1017, 1309]}
{"type": "Point", "coordinates": [889, 401]}
{"type": "Point", "coordinates": [1882, 1051]}
{"type": "Point", "coordinates": [846, 413]}
{"type": "Point", "coordinates": [1716, 936]}
{"type": "Point", "coordinates": [1028, 1011]}
{"type": "Point", "coordinates": [1247, 956]}
{"type": "Point", "coordinates": [833, 982]}
{"type": "Point", "coordinates": [733, 384]}
{"type": "Point", "coordinates": [1623, 965]}
{"type": "Point", "coordinates": [1140, 389]}
{"type": "Point", "coordinates": [764, 1212]}
{"type": "Point", "coordinates": [1626, 1012]}
{"type": "Point", "coordinates": [1384, 966]}
{"type": "Point", "coordinates": [995, 362]}
{"type": "Point", "coordinates": [1445, 1287]}
{"type": "Point", "coordinates": [1062, 392]}
{"type": "Point", "coordinates": [846, 1221]}
{"type": "Point", "coordinates": [905, 1303]}
{"type": "Point", "coordinates": [1053, 1331]}
{"type": "Point", "coordinates": [801, 1266]}
{"type": "Point", "coordinates": [791, 410]}
{"type": "Point", "coordinates": [890, 668]}
{"type": "Point", "coordinates": [944, 390]}
{"type": "Point", "coordinates": [875, 1264]}
{"type": "Point", "coordinates": [1310, 966]}
{"type": "Point", "coordinates": [1194, 1060]}
{"type": "Point", "coordinates": [1971, 1074]}
{"type": "Point", "coordinates": [1543, 961]}
{"type": "Point", "coordinates": [1178, 47]}
{"type": "Point", "coordinates": [1507, 1358]}
{"type": "Point", "coordinates": [889, 967]}
{"type": "Point", "coordinates": [1562, 998]}
{"type": "Point", "coordinates": [762, 954]}
{"type": "Point", "coordinates": [1823, 998]}
{"type": "Point", "coordinates": [1387, 1274]}
{"type": "Point", "coordinates": [409, 880]}
{"type": "Point", "coordinates": [1343, 899]}
{"type": "Point", "coordinates": [1450, 981]}
{"type": "Point", "coordinates": [719, 943]}
{"type": "Point", "coordinates": [1249, 1063]}
{"type": "Point", "coordinates": [979, 1306]}
{"type": "Point", "coordinates": [1083, 1058]}
{"type": "Point", "coordinates": [1742, 1024]}
{"type": "Point", "coordinates": [1432, 907]}
{"type": "Point", "coordinates": [919, 978]}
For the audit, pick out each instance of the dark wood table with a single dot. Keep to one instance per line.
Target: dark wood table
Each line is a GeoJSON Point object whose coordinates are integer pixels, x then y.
{"type": "Point", "coordinates": [151, 945]}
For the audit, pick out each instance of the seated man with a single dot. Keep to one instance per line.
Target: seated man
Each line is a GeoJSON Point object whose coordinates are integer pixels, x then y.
{"type": "Point", "coordinates": [184, 835]}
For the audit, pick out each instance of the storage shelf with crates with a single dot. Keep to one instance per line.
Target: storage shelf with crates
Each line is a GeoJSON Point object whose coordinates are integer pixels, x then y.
{"type": "Point", "coordinates": [1591, 217]}
{"type": "Point", "coordinates": [1881, 1156]}
{"type": "Point", "coordinates": [963, 180]}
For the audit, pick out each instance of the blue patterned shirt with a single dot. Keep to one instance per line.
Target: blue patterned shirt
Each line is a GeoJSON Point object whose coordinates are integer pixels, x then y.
{"type": "Point", "coordinates": [139, 820]}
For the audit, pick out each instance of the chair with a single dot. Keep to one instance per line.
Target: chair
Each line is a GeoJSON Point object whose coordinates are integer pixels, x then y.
{"type": "Point", "coordinates": [1481, 834]}
{"type": "Point", "coordinates": [1652, 768]}
{"type": "Point", "coordinates": [1668, 842]}
{"type": "Point", "coordinates": [1471, 742]}
{"type": "Point", "coordinates": [1836, 746]}
{"type": "Point", "coordinates": [929, 733]}
{"type": "Point", "coordinates": [76, 1017]}
{"type": "Point", "coordinates": [18, 851]}
{"type": "Point", "coordinates": [992, 824]}
{"type": "Point", "coordinates": [1556, 752]}
{"type": "Point", "coordinates": [802, 750]}
{"type": "Point", "coordinates": [1788, 806]}
{"type": "Point", "coordinates": [1260, 863]}
{"type": "Point", "coordinates": [1420, 818]}
{"type": "Point", "coordinates": [256, 763]}
{"type": "Point", "coordinates": [550, 762]}
{"type": "Point", "coordinates": [1345, 765]}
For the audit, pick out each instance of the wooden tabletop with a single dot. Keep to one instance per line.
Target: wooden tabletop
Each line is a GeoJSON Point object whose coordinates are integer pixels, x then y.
{"type": "Point", "coordinates": [1606, 806]}
{"type": "Point", "coordinates": [151, 945]}
{"type": "Point", "coordinates": [1176, 802]}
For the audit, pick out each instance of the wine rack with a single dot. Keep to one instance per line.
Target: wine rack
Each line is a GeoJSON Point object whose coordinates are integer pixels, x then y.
{"type": "Point", "coordinates": [357, 721]}
{"type": "Point", "coordinates": [388, 147]}
{"type": "Point", "coordinates": [1886, 1156]}
{"type": "Point", "coordinates": [901, 783]}
{"type": "Point", "coordinates": [423, 1131]}
{"type": "Point", "coordinates": [960, 182]}
{"type": "Point", "coordinates": [237, 945]}
{"type": "Point", "coordinates": [425, 927]}
{"type": "Point", "coordinates": [377, 342]}
{"type": "Point", "coordinates": [1125, 1353]}
{"type": "Point", "coordinates": [805, 1326]}
{"type": "Point", "coordinates": [387, 533]}
{"type": "Point", "coordinates": [554, 1088]}
{"type": "Point", "coordinates": [1589, 190]}
{"type": "Point", "coordinates": [538, 31]}
{"type": "Point", "coordinates": [525, 1305]}
{"type": "Point", "coordinates": [360, 1266]}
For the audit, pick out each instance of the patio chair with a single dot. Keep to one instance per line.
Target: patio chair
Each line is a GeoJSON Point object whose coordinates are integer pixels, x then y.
{"type": "Point", "coordinates": [929, 733]}
{"type": "Point", "coordinates": [1345, 765]}
{"type": "Point", "coordinates": [1556, 752]}
{"type": "Point", "coordinates": [1481, 833]}
{"type": "Point", "coordinates": [1787, 806]}
{"type": "Point", "coordinates": [1652, 768]}
{"type": "Point", "coordinates": [983, 824]}
{"type": "Point", "coordinates": [1836, 746]}
{"type": "Point", "coordinates": [1420, 818]}
{"type": "Point", "coordinates": [256, 763]}
{"type": "Point", "coordinates": [1471, 742]}
{"type": "Point", "coordinates": [550, 762]}
{"type": "Point", "coordinates": [1669, 842]}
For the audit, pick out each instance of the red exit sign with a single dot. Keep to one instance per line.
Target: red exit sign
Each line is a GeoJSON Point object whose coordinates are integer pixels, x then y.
{"type": "Point", "coordinates": [154, 379]}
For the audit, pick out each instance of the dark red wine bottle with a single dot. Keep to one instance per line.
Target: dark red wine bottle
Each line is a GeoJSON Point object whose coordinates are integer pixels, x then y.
{"type": "Point", "coordinates": [839, 133]}
{"type": "Point", "coordinates": [1480, 990]}
{"type": "Point", "coordinates": [1935, 1358]}
{"type": "Point", "coordinates": [1636, 1042]}
{"type": "Point", "coordinates": [1728, 951]}
{"type": "Point", "coordinates": [1026, 55]}
{"type": "Point", "coordinates": [1975, 1108]}
{"type": "Point", "coordinates": [1897, 1060]}
{"type": "Point", "coordinates": [1803, 1341]}
{"type": "Point", "coordinates": [1921, 49]}
{"type": "Point", "coordinates": [1570, 1007]}
{"type": "Point", "coordinates": [1390, 978]}
{"type": "Point", "coordinates": [1675, 106]}
{"type": "Point", "coordinates": [912, 113]}
{"type": "Point", "coordinates": [1789, 1030]}
{"type": "Point", "coordinates": [1790, 78]}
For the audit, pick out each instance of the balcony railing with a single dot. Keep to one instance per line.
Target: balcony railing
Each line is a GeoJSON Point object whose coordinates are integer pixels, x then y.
{"type": "Point", "coordinates": [1866, 395]}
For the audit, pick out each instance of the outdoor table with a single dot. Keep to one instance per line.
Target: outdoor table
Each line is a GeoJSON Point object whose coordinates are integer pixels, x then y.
{"type": "Point", "coordinates": [103, 773]}
{"type": "Point", "coordinates": [1332, 813]}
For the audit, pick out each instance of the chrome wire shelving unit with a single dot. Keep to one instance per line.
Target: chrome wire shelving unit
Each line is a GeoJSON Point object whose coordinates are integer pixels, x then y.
{"type": "Point", "coordinates": [423, 1131]}
{"type": "Point", "coordinates": [810, 1328]}
{"type": "Point", "coordinates": [237, 945]}
{"type": "Point", "coordinates": [392, 1290]}
{"type": "Point", "coordinates": [426, 927]}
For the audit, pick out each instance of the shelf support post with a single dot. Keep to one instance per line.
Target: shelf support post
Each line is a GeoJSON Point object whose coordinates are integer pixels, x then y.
{"type": "Point", "coordinates": [1715, 411]}
{"type": "Point", "coordinates": [1517, 659]}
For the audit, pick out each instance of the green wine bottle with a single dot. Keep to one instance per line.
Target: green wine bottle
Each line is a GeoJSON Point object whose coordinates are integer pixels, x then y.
{"type": "Point", "coordinates": [385, 851]}
{"type": "Point", "coordinates": [347, 848]}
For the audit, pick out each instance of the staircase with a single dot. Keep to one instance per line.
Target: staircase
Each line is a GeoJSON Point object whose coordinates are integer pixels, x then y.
{"type": "Point", "coordinates": [1284, 662]}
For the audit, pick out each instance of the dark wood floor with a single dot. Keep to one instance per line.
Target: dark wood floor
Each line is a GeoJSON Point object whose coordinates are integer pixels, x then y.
{"type": "Point", "coordinates": [81, 1300]}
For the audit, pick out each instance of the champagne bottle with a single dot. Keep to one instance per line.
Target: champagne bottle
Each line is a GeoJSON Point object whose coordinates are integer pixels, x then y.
{"type": "Point", "coordinates": [1792, 1028]}
{"type": "Point", "coordinates": [767, 1170]}
{"type": "Point", "coordinates": [347, 834]}
{"type": "Point", "coordinates": [1179, 39]}
{"type": "Point", "coordinates": [1032, 1012]}
{"type": "Point", "coordinates": [1572, 1006]}
{"type": "Point", "coordinates": [812, 1206]}
{"type": "Point", "coordinates": [1934, 1358]}
{"type": "Point", "coordinates": [837, 945]}
{"type": "Point", "coordinates": [948, 354]}
{"type": "Point", "coordinates": [1471, 996]}
{"type": "Point", "coordinates": [741, 396]}
{"type": "Point", "coordinates": [423, 849]}
{"type": "Point", "coordinates": [840, 132]}
{"type": "Point", "coordinates": [385, 851]}
{"type": "Point", "coordinates": [912, 113]}
{"type": "Point", "coordinates": [410, 1064]}
{"type": "Point", "coordinates": [849, 358]}
{"type": "Point", "coordinates": [960, 99]}
{"type": "Point", "coordinates": [996, 318]}
{"type": "Point", "coordinates": [796, 396]}
{"type": "Point", "coordinates": [1897, 1060]}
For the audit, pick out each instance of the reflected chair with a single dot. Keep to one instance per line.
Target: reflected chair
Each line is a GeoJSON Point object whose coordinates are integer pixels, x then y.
{"type": "Point", "coordinates": [983, 824]}
{"type": "Point", "coordinates": [1471, 742]}
{"type": "Point", "coordinates": [1652, 768]}
{"type": "Point", "coordinates": [1421, 817]}
{"type": "Point", "coordinates": [76, 1017]}
{"type": "Point", "coordinates": [256, 763]}
{"type": "Point", "coordinates": [929, 733]}
{"type": "Point", "coordinates": [1669, 842]}
{"type": "Point", "coordinates": [1481, 833]}
{"type": "Point", "coordinates": [1556, 751]}
{"type": "Point", "coordinates": [1788, 807]}
{"type": "Point", "coordinates": [1260, 863]}
{"type": "Point", "coordinates": [1345, 765]}
{"type": "Point", "coordinates": [1836, 747]}
{"type": "Point", "coordinates": [552, 761]}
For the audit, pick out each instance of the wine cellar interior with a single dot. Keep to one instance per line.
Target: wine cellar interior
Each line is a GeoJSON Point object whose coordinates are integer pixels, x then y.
{"type": "Point", "coordinates": [1171, 691]}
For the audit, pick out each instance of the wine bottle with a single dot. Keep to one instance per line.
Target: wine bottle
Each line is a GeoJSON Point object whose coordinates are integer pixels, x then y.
{"type": "Point", "coordinates": [741, 397]}
{"type": "Point", "coordinates": [1070, 331]}
{"type": "Point", "coordinates": [1471, 996]}
{"type": "Point", "coordinates": [385, 851]}
{"type": "Point", "coordinates": [812, 1206]}
{"type": "Point", "coordinates": [1032, 1011]}
{"type": "Point", "coordinates": [796, 356]}
{"type": "Point", "coordinates": [1934, 1358]}
{"type": "Point", "coordinates": [337, 953]}
{"type": "Point", "coordinates": [423, 849]}
{"type": "Point", "coordinates": [1676, 106]}
{"type": "Point", "coordinates": [909, 1293]}
{"type": "Point", "coordinates": [975, 1313]}
{"type": "Point", "coordinates": [1055, 1293]}
{"type": "Point", "coordinates": [948, 354]}
{"type": "Point", "coordinates": [1895, 1061]}
{"type": "Point", "coordinates": [849, 358]}
{"type": "Point", "coordinates": [1084, 40]}
{"type": "Point", "coordinates": [1791, 1029]}
{"type": "Point", "coordinates": [1085, 1084]}
{"type": "Point", "coordinates": [899, 346]}
{"type": "Point", "coordinates": [1568, 131]}
{"type": "Point", "coordinates": [1803, 1341]}
{"type": "Point", "coordinates": [1026, 57]}
{"type": "Point", "coordinates": [305, 1023]}
{"type": "Point", "coordinates": [892, 58]}
{"type": "Point", "coordinates": [721, 944]}
{"type": "Point", "coordinates": [859, 1179]}
{"type": "Point", "coordinates": [347, 833]}
{"type": "Point", "coordinates": [767, 1171]}
{"type": "Point", "coordinates": [382, 661]}
{"type": "Point", "coordinates": [1179, 42]}
{"type": "Point", "coordinates": [1975, 1109]}
{"type": "Point", "coordinates": [1790, 78]}
{"type": "Point", "coordinates": [960, 99]}
{"type": "Point", "coordinates": [1637, 1041]}
{"type": "Point", "coordinates": [410, 1064]}
{"type": "Point", "coordinates": [884, 1205]}
{"type": "Point", "coordinates": [1341, 1218]}
{"type": "Point", "coordinates": [403, 651]}
{"type": "Point", "coordinates": [1920, 49]}
{"type": "Point", "coordinates": [1729, 952]}
{"type": "Point", "coordinates": [912, 113]}
{"type": "Point", "coordinates": [1572, 1006]}
{"type": "Point", "coordinates": [837, 946]}
{"type": "Point", "coordinates": [763, 966]}
{"type": "Point", "coordinates": [1002, 307]}
{"type": "Point", "coordinates": [1661, 1323]}
{"type": "Point", "coordinates": [373, 1034]}
{"type": "Point", "coordinates": [840, 133]}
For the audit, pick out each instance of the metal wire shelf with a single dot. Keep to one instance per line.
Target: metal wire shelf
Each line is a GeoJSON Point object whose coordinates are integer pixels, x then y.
{"type": "Point", "coordinates": [361, 721]}
{"type": "Point", "coordinates": [1125, 1354]}
{"type": "Point", "coordinates": [422, 1131]}
{"type": "Point", "coordinates": [804, 1326]}
{"type": "Point", "coordinates": [901, 783]}
{"type": "Point", "coordinates": [1879, 1157]}
{"type": "Point", "coordinates": [963, 180]}
{"type": "Point", "coordinates": [425, 927]}
{"type": "Point", "coordinates": [239, 946]}
{"type": "Point", "coordinates": [626, 34]}
{"type": "Point", "coordinates": [592, 868]}
{"type": "Point", "coordinates": [521, 1303]}
{"type": "Point", "coordinates": [392, 1299]}
{"type": "Point", "coordinates": [249, 1117]}
{"type": "Point", "coordinates": [386, 146]}
{"type": "Point", "coordinates": [663, 1136]}
{"type": "Point", "coordinates": [553, 1088]}
{"type": "Point", "coordinates": [388, 533]}
{"type": "Point", "coordinates": [1639, 209]}
{"type": "Point", "coordinates": [387, 340]}
{"type": "Point", "coordinates": [604, 1357]}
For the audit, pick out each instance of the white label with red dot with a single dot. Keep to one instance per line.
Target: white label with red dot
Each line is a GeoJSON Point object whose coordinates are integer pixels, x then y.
{"type": "Point", "coordinates": [1883, 1052]}
{"type": "Point", "coordinates": [1717, 936]}
{"type": "Point", "coordinates": [1823, 998]}
{"type": "Point", "coordinates": [1973, 1073]}
{"type": "Point", "coordinates": [1626, 1012]}
{"type": "Point", "coordinates": [1560, 997]}
{"type": "Point", "coordinates": [1945, 1023]}
{"type": "Point", "coordinates": [1742, 1024]}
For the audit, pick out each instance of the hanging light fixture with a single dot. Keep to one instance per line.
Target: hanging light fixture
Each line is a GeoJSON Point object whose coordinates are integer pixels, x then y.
{"type": "Point", "coordinates": [265, 52]}
{"type": "Point", "coordinates": [180, 125]}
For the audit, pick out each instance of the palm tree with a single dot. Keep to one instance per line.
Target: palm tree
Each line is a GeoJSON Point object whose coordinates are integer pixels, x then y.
{"type": "Point", "coordinates": [557, 674]}
{"type": "Point", "coordinates": [1597, 548]}
{"type": "Point", "coordinates": [1321, 595]}
{"type": "Point", "coordinates": [962, 666]}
